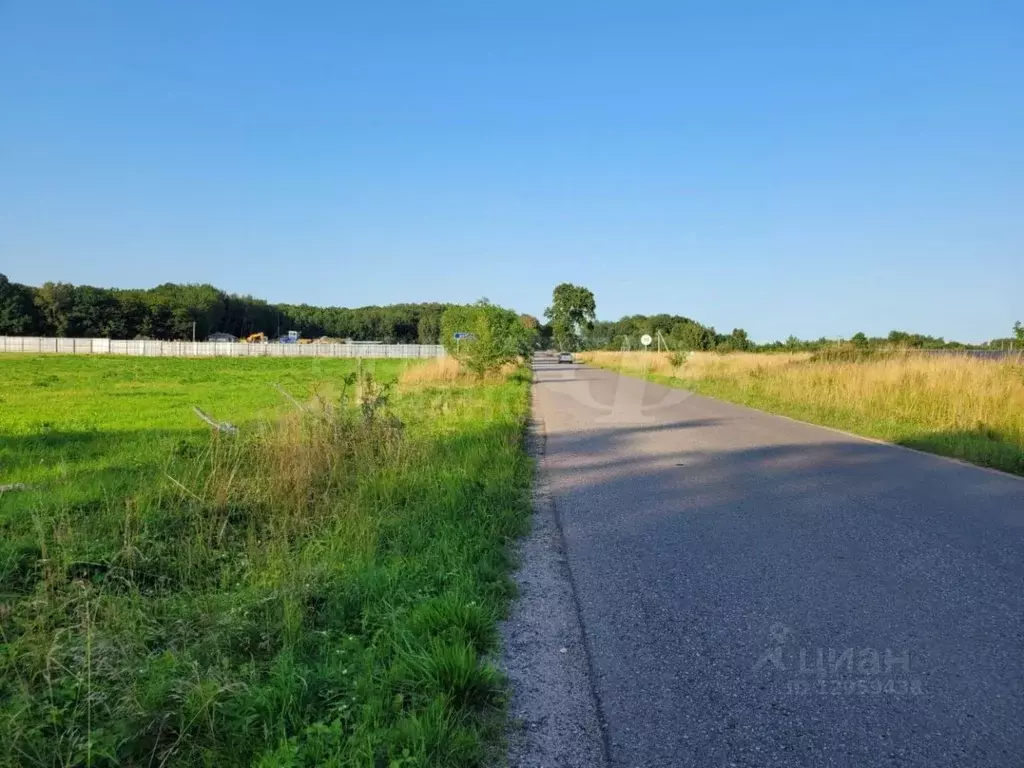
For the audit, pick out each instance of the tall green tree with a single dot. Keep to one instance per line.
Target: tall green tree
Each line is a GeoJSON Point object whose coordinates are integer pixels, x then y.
{"type": "Point", "coordinates": [428, 328]}
{"type": "Point", "coordinates": [55, 302]}
{"type": "Point", "coordinates": [573, 310]}
{"type": "Point", "coordinates": [692, 336]}
{"type": "Point", "coordinates": [737, 341]}
{"type": "Point", "coordinates": [91, 313]}
{"type": "Point", "coordinates": [1018, 330]}
{"type": "Point", "coordinates": [17, 312]}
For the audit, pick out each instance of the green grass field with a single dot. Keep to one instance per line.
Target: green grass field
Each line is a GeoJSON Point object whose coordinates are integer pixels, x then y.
{"type": "Point", "coordinates": [80, 427]}
{"type": "Point", "coordinates": [322, 588]}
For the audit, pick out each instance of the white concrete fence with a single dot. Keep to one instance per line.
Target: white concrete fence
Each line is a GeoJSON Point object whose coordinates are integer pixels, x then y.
{"type": "Point", "coordinates": [140, 348]}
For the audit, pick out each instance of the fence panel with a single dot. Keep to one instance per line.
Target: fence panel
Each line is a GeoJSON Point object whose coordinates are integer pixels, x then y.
{"type": "Point", "coordinates": [148, 348]}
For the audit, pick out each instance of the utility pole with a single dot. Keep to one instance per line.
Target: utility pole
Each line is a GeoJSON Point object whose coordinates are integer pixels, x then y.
{"type": "Point", "coordinates": [193, 331]}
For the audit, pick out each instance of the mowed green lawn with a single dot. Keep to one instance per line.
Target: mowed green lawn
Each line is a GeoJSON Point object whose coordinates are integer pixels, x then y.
{"type": "Point", "coordinates": [73, 423]}
{"type": "Point", "coordinates": [321, 589]}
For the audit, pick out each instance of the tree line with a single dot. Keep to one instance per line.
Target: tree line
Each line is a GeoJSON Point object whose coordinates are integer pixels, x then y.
{"type": "Point", "coordinates": [677, 332]}
{"type": "Point", "coordinates": [573, 325]}
{"type": "Point", "coordinates": [174, 311]}
{"type": "Point", "coordinates": [683, 333]}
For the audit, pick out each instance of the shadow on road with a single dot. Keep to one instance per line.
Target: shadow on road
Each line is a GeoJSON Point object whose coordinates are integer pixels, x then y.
{"type": "Point", "coordinates": [695, 556]}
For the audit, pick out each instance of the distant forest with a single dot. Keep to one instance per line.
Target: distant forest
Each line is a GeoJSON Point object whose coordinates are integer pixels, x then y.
{"type": "Point", "coordinates": [679, 332]}
{"type": "Point", "coordinates": [169, 311]}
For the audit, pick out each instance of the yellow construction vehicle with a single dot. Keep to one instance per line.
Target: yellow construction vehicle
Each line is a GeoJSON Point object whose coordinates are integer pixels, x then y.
{"type": "Point", "coordinates": [256, 338]}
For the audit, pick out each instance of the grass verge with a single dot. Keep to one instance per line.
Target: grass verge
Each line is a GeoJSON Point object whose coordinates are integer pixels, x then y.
{"type": "Point", "coordinates": [963, 407]}
{"type": "Point", "coordinates": [320, 589]}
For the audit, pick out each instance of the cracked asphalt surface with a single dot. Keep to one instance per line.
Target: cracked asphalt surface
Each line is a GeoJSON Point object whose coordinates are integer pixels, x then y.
{"type": "Point", "coordinates": [754, 591]}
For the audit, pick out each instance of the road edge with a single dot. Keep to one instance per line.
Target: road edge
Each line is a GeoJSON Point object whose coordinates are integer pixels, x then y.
{"type": "Point", "coordinates": [554, 713]}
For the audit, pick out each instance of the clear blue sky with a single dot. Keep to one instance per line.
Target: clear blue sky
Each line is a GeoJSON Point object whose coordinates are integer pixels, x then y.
{"type": "Point", "coordinates": [809, 168]}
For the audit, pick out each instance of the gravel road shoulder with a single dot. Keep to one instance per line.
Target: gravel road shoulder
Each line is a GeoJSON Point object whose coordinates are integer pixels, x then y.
{"type": "Point", "coordinates": [555, 717]}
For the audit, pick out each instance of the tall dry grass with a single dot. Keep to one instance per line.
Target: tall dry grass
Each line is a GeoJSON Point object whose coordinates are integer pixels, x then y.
{"type": "Point", "coordinates": [961, 406]}
{"type": "Point", "coordinates": [705, 364]}
{"type": "Point", "coordinates": [448, 370]}
{"type": "Point", "coordinates": [636, 363]}
{"type": "Point", "coordinates": [941, 393]}
{"type": "Point", "coordinates": [438, 370]}
{"type": "Point", "coordinates": [687, 364]}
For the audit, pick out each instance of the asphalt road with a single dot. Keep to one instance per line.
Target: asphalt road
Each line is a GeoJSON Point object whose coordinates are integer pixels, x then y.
{"type": "Point", "coordinates": [754, 591]}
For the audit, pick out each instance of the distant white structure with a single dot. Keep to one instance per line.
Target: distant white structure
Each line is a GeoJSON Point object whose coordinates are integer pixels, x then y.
{"type": "Point", "coordinates": [149, 348]}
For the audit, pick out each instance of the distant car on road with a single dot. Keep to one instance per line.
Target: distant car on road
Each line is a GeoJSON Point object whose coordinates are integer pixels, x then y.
{"type": "Point", "coordinates": [565, 357]}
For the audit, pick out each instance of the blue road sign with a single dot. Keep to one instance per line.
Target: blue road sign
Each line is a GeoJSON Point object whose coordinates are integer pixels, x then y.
{"type": "Point", "coordinates": [462, 335]}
